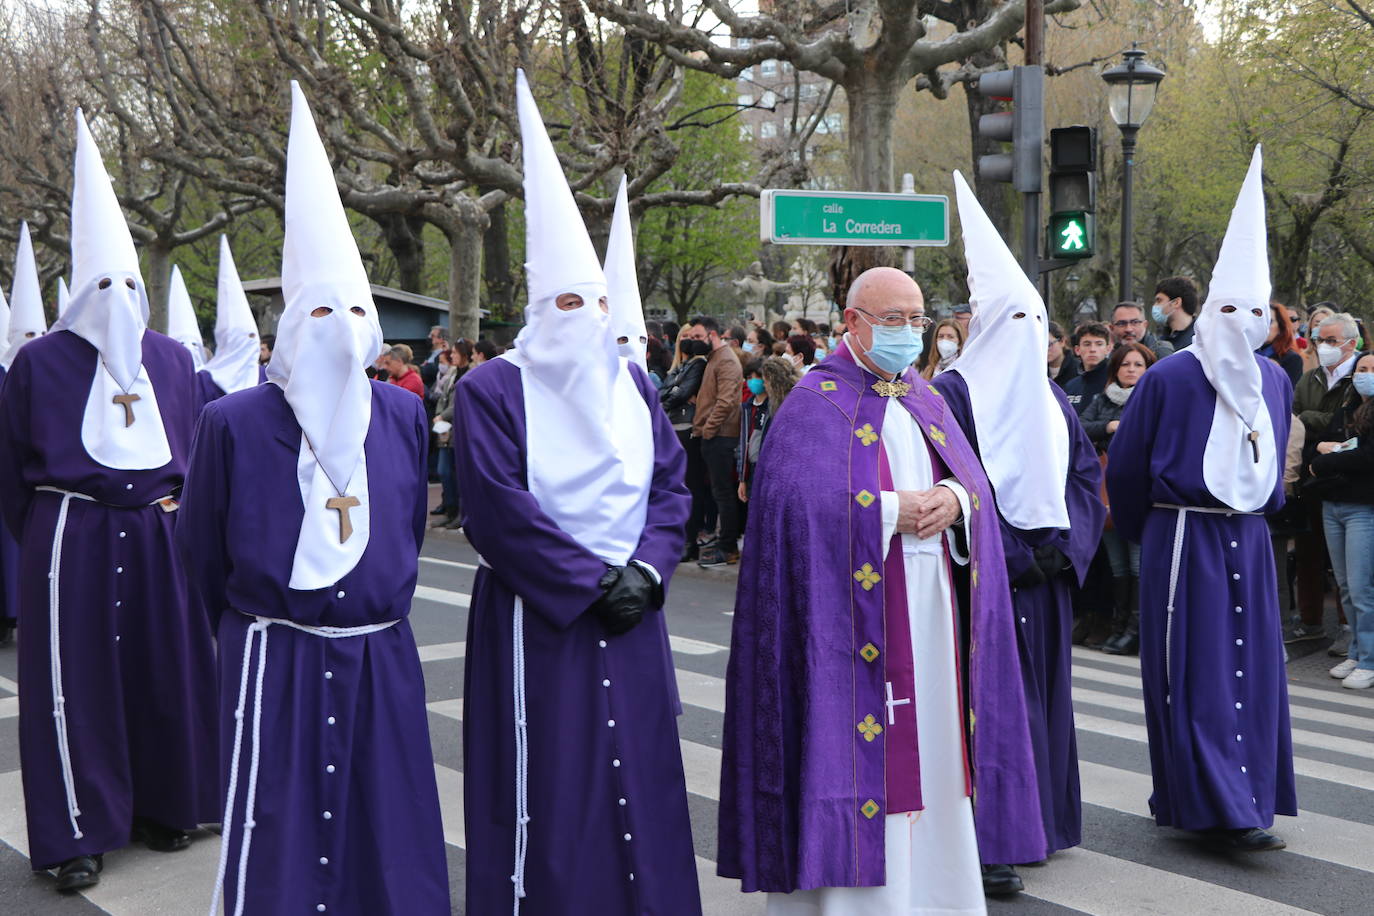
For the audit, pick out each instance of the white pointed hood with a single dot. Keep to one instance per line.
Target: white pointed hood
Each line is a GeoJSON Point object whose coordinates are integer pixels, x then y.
{"type": "Point", "coordinates": [590, 440]}
{"type": "Point", "coordinates": [1023, 438]}
{"type": "Point", "coordinates": [319, 361]}
{"type": "Point", "coordinates": [622, 283]}
{"type": "Point", "coordinates": [1232, 324]}
{"type": "Point", "coordinates": [63, 297]}
{"type": "Point", "coordinates": [234, 366]}
{"type": "Point", "coordinates": [109, 310]}
{"type": "Point", "coordinates": [182, 325]}
{"type": "Point", "coordinates": [25, 320]}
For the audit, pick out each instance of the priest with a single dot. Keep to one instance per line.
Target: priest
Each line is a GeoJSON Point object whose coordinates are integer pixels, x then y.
{"type": "Point", "coordinates": [1046, 479]}
{"type": "Point", "coordinates": [305, 512]}
{"type": "Point", "coordinates": [116, 682]}
{"type": "Point", "coordinates": [236, 363]}
{"type": "Point", "coordinates": [1194, 467]}
{"type": "Point", "coordinates": [873, 711]}
{"type": "Point", "coordinates": [182, 325]}
{"type": "Point", "coordinates": [573, 789]}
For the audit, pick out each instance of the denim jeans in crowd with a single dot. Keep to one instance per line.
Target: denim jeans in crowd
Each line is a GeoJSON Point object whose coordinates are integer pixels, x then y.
{"type": "Point", "coordinates": [1350, 539]}
{"type": "Point", "coordinates": [1121, 553]}
{"type": "Point", "coordinates": [448, 480]}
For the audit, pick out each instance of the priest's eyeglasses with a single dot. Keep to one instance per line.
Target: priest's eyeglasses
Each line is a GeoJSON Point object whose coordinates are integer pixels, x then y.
{"type": "Point", "coordinates": [897, 319]}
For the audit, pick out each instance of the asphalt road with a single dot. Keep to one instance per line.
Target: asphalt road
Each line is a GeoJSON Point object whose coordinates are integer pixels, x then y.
{"type": "Point", "coordinates": [1125, 866]}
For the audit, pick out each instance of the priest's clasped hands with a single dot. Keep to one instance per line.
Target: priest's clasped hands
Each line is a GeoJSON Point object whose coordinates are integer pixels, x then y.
{"type": "Point", "coordinates": [926, 513]}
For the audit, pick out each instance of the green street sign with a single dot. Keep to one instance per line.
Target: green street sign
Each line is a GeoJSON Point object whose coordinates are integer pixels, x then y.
{"type": "Point", "coordinates": [1070, 235]}
{"type": "Point", "coordinates": [853, 218]}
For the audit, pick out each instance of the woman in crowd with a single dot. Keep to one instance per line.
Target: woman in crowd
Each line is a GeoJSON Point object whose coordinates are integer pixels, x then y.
{"type": "Point", "coordinates": [781, 331]}
{"type": "Point", "coordinates": [453, 363]}
{"type": "Point", "coordinates": [678, 396]}
{"type": "Point", "coordinates": [658, 360]}
{"type": "Point", "coordinates": [1343, 478]}
{"type": "Point", "coordinates": [1280, 344]}
{"type": "Point", "coordinates": [758, 343]}
{"type": "Point", "coordinates": [949, 338]}
{"type": "Point", "coordinates": [1100, 421]}
{"type": "Point", "coordinates": [769, 381]}
{"type": "Point", "coordinates": [802, 351]}
{"type": "Point", "coordinates": [484, 350]}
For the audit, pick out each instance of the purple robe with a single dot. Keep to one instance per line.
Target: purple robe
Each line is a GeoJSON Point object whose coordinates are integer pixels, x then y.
{"type": "Point", "coordinates": [803, 789]}
{"type": "Point", "coordinates": [344, 724]}
{"type": "Point", "coordinates": [609, 832]}
{"type": "Point", "coordinates": [9, 567]}
{"type": "Point", "coordinates": [1044, 615]}
{"type": "Point", "coordinates": [137, 667]}
{"type": "Point", "coordinates": [209, 390]}
{"type": "Point", "coordinates": [1220, 749]}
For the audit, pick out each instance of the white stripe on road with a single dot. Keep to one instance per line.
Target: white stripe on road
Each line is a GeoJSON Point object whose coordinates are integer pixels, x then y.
{"type": "Point", "coordinates": [442, 651]}
{"type": "Point", "coordinates": [443, 596]}
{"type": "Point", "coordinates": [1300, 713]}
{"type": "Point", "coordinates": [1316, 836]}
{"type": "Point", "coordinates": [695, 646]}
{"type": "Point", "coordinates": [450, 563]}
{"type": "Point", "coordinates": [1096, 883]}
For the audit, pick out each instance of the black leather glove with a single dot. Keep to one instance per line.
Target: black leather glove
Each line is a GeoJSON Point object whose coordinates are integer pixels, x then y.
{"type": "Point", "coordinates": [628, 591]}
{"type": "Point", "coordinates": [1051, 561]}
{"type": "Point", "coordinates": [1029, 577]}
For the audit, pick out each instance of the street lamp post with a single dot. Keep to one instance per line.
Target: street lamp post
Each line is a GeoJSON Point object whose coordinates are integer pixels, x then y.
{"type": "Point", "coordinates": [1131, 88]}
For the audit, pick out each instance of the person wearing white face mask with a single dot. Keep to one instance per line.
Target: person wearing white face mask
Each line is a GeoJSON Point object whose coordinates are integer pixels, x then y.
{"type": "Point", "coordinates": [949, 341]}
{"type": "Point", "coordinates": [574, 800]}
{"type": "Point", "coordinates": [1193, 469]}
{"type": "Point", "coordinates": [116, 674]}
{"type": "Point", "coordinates": [1316, 400]}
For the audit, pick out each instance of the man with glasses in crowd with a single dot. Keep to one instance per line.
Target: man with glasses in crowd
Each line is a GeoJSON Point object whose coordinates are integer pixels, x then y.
{"type": "Point", "coordinates": [1129, 326]}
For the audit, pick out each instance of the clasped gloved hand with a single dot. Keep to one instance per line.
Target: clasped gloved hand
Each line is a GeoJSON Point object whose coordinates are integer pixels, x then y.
{"type": "Point", "coordinates": [1046, 563]}
{"type": "Point", "coordinates": [628, 591]}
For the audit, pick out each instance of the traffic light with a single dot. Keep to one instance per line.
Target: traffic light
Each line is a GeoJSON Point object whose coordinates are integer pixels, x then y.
{"type": "Point", "coordinates": [1073, 192]}
{"type": "Point", "coordinates": [1023, 126]}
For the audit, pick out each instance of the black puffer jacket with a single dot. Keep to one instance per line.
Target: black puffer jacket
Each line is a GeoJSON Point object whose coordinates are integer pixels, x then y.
{"type": "Point", "coordinates": [1343, 477]}
{"type": "Point", "coordinates": [681, 385]}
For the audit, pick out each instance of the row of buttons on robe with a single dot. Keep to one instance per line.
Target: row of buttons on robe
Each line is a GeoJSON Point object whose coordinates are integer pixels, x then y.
{"type": "Point", "coordinates": [119, 570]}
{"type": "Point", "coordinates": [329, 768]}
{"type": "Point", "coordinates": [1240, 672]}
{"type": "Point", "coordinates": [615, 762]}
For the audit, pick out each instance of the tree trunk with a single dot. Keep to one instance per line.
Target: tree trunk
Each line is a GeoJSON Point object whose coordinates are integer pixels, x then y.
{"type": "Point", "coordinates": [465, 234]}
{"type": "Point", "coordinates": [157, 277]}
{"type": "Point", "coordinates": [872, 106]}
{"type": "Point", "coordinates": [496, 266]}
{"type": "Point", "coordinates": [403, 235]}
{"type": "Point", "coordinates": [1291, 254]}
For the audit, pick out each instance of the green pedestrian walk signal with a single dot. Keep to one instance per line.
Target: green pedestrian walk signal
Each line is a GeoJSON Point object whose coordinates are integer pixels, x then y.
{"type": "Point", "coordinates": [1071, 235]}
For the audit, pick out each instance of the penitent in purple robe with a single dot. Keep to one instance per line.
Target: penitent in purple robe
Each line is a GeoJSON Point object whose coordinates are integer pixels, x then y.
{"type": "Point", "coordinates": [1044, 618]}
{"type": "Point", "coordinates": [9, 567]}
{"type": "Point", "coordinates": [804, 781]}
{"type": "Point", "coordinates": [1220, 748]}
{"type": "Point", "coordinates": [208, 390]}
{"type": "Point", "coordinates": [346, 806]}
{"type": "Point", "coordinates": [609, 832]}
{"type": "Point", "coordinates": [136, 667]}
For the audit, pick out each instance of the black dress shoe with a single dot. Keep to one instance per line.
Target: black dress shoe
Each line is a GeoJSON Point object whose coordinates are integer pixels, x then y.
{"type": "Point", "coordinates": [82, 871]}
{"type": "Point", "coordinates": [438, 510]}
{"type": "Point", "coordinates": [6, 632]}
{"type": "Point", "coordinates": [1252, 839]}
{"type": "Point", "coordinates": [158, 837]}
{"type": "Point", "coordinates": [1001, 881]}
{"type": "Point", "coordinates": [454, 524]}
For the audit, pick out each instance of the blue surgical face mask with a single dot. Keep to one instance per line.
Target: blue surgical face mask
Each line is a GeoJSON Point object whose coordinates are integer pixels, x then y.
{"type": "Point", "coordinates": [830, 343]}
{"type": "Point", "coordinates": [756, 386]}
{"type": "Point", "coordinates": [895, 349]}
{"type": "Point", "coordinates": [1364, 383]}
{"type": "Point", "coordinates": [747, 347]}
{"type": "Point", "coordinates": [1158, 315]}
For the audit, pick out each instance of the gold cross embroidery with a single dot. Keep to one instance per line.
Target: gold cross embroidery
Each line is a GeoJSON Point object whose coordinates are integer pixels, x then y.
{"type": "Point", "coordinates": [870, 727]}
{"type": "Point", "coordinates": [866, 434]}
{"type": "Point", "coordinates": [893, 389]}
{"type": "Point", "coordinates": [867, 577]}
{"type": "Point", "coordinates": [938, 435]}
{"type": "Point", "coordinates": [975, 575]}
{"type": "Point", "coordinates": [127, 402]}
{"type": "Point", "coordinates": [343, 504]}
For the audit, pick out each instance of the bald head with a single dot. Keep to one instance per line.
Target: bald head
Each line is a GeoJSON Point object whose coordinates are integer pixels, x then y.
{"type": "Point", "coordinates": [883, 287]}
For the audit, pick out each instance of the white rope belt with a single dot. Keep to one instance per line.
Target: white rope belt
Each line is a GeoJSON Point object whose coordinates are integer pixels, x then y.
{"type": "Point", "coordinates": [259, 625]}
{"type": "Point", "coordinates": [522, 748]}
{"type": "Point", "coordinates": [1175, 563]}
{"type": "Point", "coordinates": [59, 700]}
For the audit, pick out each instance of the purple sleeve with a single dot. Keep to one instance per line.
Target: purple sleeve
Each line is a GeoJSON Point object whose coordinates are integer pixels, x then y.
{"type": "Point", "coordinates": [1082, 495]}
{"type": "Point", "coordinates": [660, 545]}
{"type": "Point", "coordinates": [420, 518]}
{"type": "Point", "coordinates": [1129, 481]}
{"type": "Point", "coordinates": [203, 516]}
{"type": "Point", "coordinates": [534, 558]}
{"type": "Point", "coordinates": [14, 426]}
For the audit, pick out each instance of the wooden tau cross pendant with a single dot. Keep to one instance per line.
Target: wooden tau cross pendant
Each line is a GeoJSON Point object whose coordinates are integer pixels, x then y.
{"type": "Point", "coordinates": [1254, 443]}
{"type": "Point", "coordinates": [127, 402]}
{"type": "Point", "coordinates": [343, 504]}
